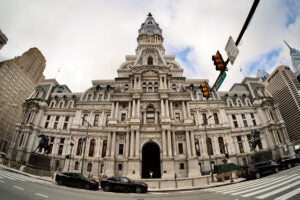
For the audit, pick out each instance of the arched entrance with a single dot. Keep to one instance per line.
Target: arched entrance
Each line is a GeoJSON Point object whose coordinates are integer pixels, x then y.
{"type": "Point", "coordinates": [151, 160]}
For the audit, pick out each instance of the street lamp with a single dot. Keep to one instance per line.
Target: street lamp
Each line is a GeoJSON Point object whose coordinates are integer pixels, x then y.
{"type": "Point", "coordinates": [84, 147]}
{"type": "Point", "coordinates": [70, 158]}
{"type": "Point", "coordinates": [209, 153]}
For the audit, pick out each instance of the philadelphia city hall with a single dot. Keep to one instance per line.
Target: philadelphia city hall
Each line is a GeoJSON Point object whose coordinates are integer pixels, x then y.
{"type": "Point", "coordinates": [150, 118]}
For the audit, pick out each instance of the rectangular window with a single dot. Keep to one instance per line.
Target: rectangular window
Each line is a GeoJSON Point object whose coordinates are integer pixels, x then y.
{"type": "Point", "coordinates": [47, 121]}
{"type": "Point", "coordinates": [235, 123]}
{"type": "Point", "coordinates": [180, 148]}
{"type": "Point", "coordinates": [56, 122]}
{"type": "Point", "coordinates": [66, 122]}
{"type": "Point", "coordinates": [177, 117]}
{"type": "Point", "coordinates": [120, 167]}
{"type": "Point", "coordinates": [84, 119]}
{"type": "Point", "coordinates": [253, 119]}
{"type": "Point", "coordinates": [204, 118]}
{"type": "Point", "coordinates": [60, 149]}
{"type": "Point", "coordinates": [244, 120]}
{"type": "Point", "coordinates": [216, 118]}
{"type": "Point", "coordinates": [96, 120]}
{"type": "Point", "coordinates": [123, 117]}
{"type": "Point", "coordinates": [121, 149]}
{"type": "Point", "coordinates": [181, 166]}
{"type": "Point", "coordinates": [240, 144]}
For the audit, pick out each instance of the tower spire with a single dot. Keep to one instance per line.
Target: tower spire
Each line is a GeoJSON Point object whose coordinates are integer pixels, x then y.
{"type": "Point", "coordinates": [287, 45]}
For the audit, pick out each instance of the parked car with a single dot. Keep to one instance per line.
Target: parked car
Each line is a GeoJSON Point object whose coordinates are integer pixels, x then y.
{"type": "Point", "coordinates": [76, 180]}
{"type": "Point", "coordinates": [260, 169]}
{"type": "Point", "coordinates": [123, 184]}
{"type": "Point", "coordinates": [288, 162]}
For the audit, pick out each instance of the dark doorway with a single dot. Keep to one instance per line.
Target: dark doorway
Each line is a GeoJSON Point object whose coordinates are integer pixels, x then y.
{"type": "Point", "coordinates": [151, 161]}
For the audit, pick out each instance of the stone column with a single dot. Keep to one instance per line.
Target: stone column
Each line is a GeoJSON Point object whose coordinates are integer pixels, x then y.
{"type": "Point", "coordinates": [188, 109]}
{"type": "Point", "coordinates": [167, 108]}
{"type": "Point", "coordinates": [137, 143]}
{"type": "Point", "coordinates": [117, 110]}
{"type": "Point", "coordinates": [171, 109]}
{"type": "Point", "coordinates": [163, 133]}
{"type": "Point", "coordinates": [184, 110]}
{"type": "Point", "coordinates": [138, 107]}
{"type": "Point", "coordinates": [162, 107]}
{"type": "Point", "coordinates": [188, 143]}
{"type": "Point", "coordinates": [193, 143]}
{"type": "Point", "coordinates": [112, 110]}
{"type": "Point", "coordinates": [133, 108]}
{"type": "Point", "coordinates": [127, 145]}
{"type": "Point", "coordinates": [131, 143]}
{"type": "Point", "coordinates": [108, 144]}
{"type": "Point", "coordinates": [174, 143]}
{"type": "Point", "coordinates": [101, 118]}
{"type": "Point", "coordinates": [129, 110]}
{"type": "Point", "coordinates": [169, 144]}
{"type": "Point", "coordinates": [113, 146]}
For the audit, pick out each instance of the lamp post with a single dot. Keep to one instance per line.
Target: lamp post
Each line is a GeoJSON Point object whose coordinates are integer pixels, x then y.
{"type": "Point", "coordinates": [71, 144]}
{"type": "Point", "coordinates": [209, 153]}
{"type": "Point", "coordinates": [84, 147]}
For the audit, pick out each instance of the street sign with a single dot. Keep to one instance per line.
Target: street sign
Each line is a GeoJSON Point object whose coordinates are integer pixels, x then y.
{"type": "Point", "coordinates": [231, 50]}
{"type": "Point", "coordinates": [220, 80]}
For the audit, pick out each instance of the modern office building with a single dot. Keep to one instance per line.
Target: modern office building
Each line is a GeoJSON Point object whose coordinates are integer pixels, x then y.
{"type": "Point", "coordinates": [285, 89]}
{"type": "Point", "coordinates": [18, 79]}
{"type": "Point", "coordinates": [295, 57]}
{"type": "Point", "coordinates": [3, 39]}
{"type": "Point", "coordinates": [150, 118]}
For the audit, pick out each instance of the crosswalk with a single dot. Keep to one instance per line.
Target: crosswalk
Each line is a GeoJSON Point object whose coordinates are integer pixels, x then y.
{"type": "Point", "coordinates": [4, 175]}
{"type": "Point", "coordinates": [273, 187]}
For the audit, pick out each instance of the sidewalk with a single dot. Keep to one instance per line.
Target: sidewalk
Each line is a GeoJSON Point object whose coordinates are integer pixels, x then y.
{"type": "Point", "coordinates": [150, 186]}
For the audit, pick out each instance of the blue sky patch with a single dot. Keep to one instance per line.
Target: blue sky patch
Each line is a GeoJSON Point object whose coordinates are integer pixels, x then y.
{"type": "Point", "coordinates": [292, 11]}
{"type": "Point", "coordinates": [182, 56]}
{"type": "Point", "coordinates": [265, 61]}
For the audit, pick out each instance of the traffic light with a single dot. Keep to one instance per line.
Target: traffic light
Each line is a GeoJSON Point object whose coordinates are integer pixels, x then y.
{"type": "Point", "coordinates": [204, 89]}
{"type": "Point", "coordinates": [219, 62]}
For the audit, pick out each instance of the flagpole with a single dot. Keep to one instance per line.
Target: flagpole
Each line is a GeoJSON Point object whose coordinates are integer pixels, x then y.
{"type": "Point", "coordinates": [84, 147]}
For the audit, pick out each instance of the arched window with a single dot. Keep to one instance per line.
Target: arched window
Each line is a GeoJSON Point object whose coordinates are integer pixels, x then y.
{"type": "Point", "coordinates": [76, 166]}
{"type": "Point", "coordinates": [150, 88]}
{"type": "Point", "coordinates": [79, 147]}
{"type": "Point", "coordinates": [174, 87]}
{"type": "Point", "coordinates": [156, 87]}
{"type": "Point", "coordinates": [150, 60]}
{"type": "Point", "coordinates": [210, 150]}
{"type": "Point", "coordinates": [104, 148]}
{"type": "Point", "coordinates": [150, 116]}
{"type": "Point", "coordinates": [221, 145]}
{"type": "Point", "coordinates": [89, 167]}
{"type": "Point", "coordinates": [92, 147]}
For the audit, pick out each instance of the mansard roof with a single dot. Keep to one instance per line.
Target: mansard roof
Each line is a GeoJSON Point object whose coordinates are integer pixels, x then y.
{"type": "Point", "coordinates": [150, 27]}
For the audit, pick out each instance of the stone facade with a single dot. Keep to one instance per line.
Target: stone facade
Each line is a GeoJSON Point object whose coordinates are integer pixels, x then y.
{"type": "Point", "coordinates": [150, 121]}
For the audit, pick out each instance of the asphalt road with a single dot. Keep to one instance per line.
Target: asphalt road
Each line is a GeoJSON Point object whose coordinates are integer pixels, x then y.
{"type": "Point", "coordinates": [14, 186]}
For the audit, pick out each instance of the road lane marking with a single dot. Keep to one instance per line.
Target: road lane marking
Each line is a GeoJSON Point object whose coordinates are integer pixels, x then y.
{"type": "Point", "coordinates": [18, 187]}
{"type": "Point", "coordinates": [288, 195]}
{"type": "Point", "coordinates": [278, 190]}
{"type": "Point", "coordinates": [2, 181]}
{"type": "Point", "coordinates": [269, 188]}
{"type": "Point", "coordinates": [42, 195]}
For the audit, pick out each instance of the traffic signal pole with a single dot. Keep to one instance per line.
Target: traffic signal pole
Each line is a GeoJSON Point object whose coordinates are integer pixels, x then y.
{"type": "Point", "coordinates": [251, 12]}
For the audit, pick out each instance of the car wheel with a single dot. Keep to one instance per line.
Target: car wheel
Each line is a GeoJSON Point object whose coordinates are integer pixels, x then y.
{"type": "Point", "coordinates": [138, 190]}
{"type": "Point", "coordinates": [257, 175]}
{"type": "Point", "coordinates": [106, 188]}
{"type": "Point", "coordinates": [289, 165]}
{"type": "Point", "coordinates": [276, 170]}
{"type": "Point", "coordinates": [59, 182]}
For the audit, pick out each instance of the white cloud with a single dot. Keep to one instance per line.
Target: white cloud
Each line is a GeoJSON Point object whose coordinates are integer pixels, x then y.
{"type": "Point", "coordinates": [89, 39]}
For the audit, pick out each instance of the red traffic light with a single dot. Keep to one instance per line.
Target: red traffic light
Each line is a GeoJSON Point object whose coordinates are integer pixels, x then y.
{"type": "Point", "coordinates": [219, 62]}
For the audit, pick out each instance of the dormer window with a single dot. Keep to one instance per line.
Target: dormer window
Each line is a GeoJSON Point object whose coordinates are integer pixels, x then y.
{"type": "Point", "coordinates": [150, 61]}
{"type": "Point", "coordinates": [149, 22]}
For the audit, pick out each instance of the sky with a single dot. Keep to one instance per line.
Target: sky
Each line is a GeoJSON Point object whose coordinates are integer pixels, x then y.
{"type": "Point", "coordinates": [85, 40]}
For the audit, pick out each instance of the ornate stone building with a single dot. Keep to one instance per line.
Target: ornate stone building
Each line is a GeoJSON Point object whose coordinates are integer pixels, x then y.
{"type": "Point", "coordinates": [150, 118]}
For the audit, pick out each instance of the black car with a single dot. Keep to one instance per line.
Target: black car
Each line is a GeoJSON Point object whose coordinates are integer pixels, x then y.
{"type": "Point", "coordinates": [123, 184]}
{"type": "Point", "coordinates": [76, 180]}
{"type": "Point", "coordinates": [288, 162]}
{"type": "Point", "coordinates": [260, 169]}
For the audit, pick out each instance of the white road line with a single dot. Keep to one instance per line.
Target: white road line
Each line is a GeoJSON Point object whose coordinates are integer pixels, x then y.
{"type": "Point", "coordinates": [38, 194]}
{"type": "Point", "coordinates": [2, 181]}
{"type": "Point", "coordinates": [278, 190]}
{"type": "Point", "coordinates": [269, 188]}
{"type": "Point", "coordinates": [288, 195]}
{"type": "Point", "coordinates": [5, 176]}
{"type": "Point", "coordinates": [18, 187]}
{"type": "Point", "coordinates": [265, 185]}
